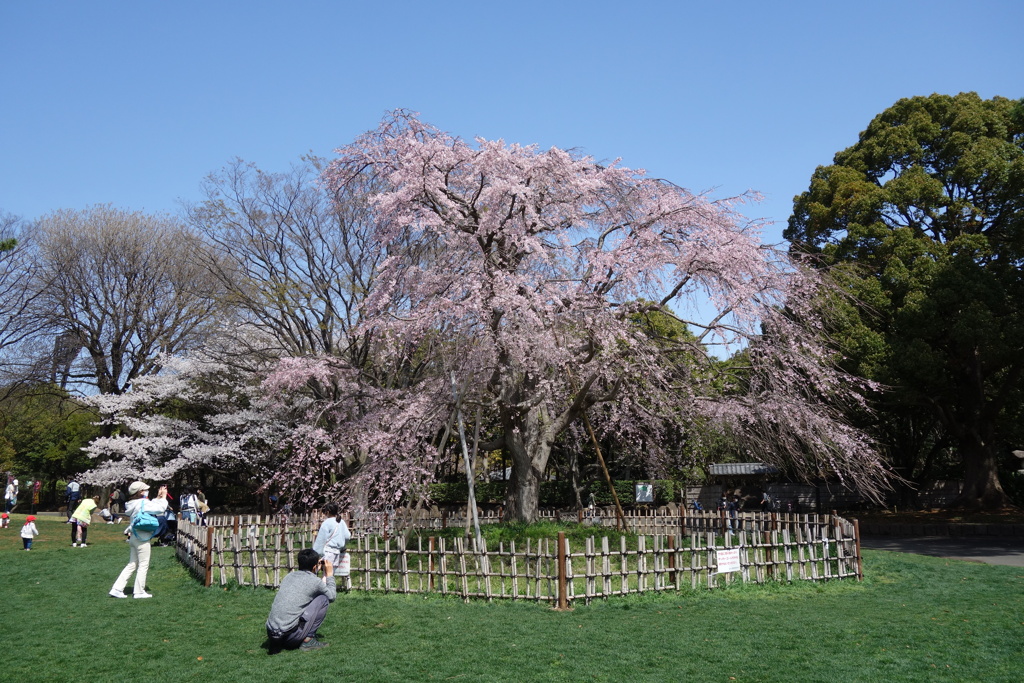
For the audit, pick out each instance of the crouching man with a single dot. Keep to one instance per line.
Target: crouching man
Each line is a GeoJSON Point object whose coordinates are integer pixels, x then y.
{"type": "Point", "coordinates": [301, 605]}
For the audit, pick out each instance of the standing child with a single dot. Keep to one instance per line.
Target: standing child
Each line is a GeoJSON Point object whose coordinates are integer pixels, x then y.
{"type": "Point", "coordinates": [5, 520]}
{"type": "Point", "coordinates": [29, 531]}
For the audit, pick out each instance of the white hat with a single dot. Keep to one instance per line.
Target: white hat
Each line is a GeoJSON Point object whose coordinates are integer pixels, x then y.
{"type": "Point", "coordinates": [137, 486]}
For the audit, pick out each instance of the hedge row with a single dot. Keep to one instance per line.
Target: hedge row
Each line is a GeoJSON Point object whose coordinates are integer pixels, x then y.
{"type": "Point", "coordinates": [556, 494]}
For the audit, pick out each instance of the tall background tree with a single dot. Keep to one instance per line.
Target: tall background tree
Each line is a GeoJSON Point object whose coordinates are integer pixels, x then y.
{"type": "Point", "coordinates": [19, 291]}
{"type": "Point", "coordinates": [293, 259]}
{"type": "Point", "coordinates": [922, 220]}
{"type": "Point", "coordinates": [122, 286]}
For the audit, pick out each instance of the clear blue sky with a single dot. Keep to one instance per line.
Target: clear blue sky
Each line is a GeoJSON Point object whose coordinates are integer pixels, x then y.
{"type": "Point", "coordinates": [133, 103]}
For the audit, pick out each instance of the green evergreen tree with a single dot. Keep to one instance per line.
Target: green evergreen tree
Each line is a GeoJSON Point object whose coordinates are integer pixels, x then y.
{"type": "Point", "coordinates": [922, 221]}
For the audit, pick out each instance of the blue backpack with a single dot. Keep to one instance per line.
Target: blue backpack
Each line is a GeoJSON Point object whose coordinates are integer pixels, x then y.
{"type": "Point", "coordinates": [145, 522]}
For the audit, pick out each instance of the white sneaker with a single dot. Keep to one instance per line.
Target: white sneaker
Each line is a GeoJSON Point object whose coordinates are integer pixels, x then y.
{"type": "Point", "coordinates": [114, 593]}
{"type": "Point", "coordinates": [74, 545]}
{"type": "Point", "coordinates": [139, 596]}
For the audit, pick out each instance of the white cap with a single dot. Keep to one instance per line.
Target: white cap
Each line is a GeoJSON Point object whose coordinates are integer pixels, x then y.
{"type": "Point", "coordinates": [137, 486]}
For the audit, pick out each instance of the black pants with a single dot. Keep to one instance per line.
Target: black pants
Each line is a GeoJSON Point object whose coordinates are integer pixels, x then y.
{"type": "Point", "coordinates": [74, 531]}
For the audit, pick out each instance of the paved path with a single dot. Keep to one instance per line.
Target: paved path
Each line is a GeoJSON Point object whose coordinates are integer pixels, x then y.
{"type": "Point", "coordinates": [1008, 551]}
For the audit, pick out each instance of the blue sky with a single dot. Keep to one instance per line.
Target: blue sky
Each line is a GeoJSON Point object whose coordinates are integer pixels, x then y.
{"type": "Point", "coordinates": [133, 103]}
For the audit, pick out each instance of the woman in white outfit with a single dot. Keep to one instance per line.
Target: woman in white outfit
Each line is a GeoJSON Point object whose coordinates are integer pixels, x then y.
{"type": "Point", "coordinates": [138, 541]}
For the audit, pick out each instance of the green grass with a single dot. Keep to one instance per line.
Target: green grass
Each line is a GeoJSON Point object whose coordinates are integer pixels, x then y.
{"type": "Point", "coordinates": [913, 619]}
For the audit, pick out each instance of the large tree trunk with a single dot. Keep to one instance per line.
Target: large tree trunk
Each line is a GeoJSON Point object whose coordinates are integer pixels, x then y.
{"type": "Point", "coordinates": [982, 489]}
{"type": "Point", "coordinates": [974, 428]}
{"type": "Point", "coordinates": [522, 497]}
{"type": "Point", "coordinates": [528, 446]}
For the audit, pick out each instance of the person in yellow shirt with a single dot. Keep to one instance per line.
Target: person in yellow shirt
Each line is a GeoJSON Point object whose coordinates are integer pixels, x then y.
{"type": "Point", "coordinates": [80, 521]}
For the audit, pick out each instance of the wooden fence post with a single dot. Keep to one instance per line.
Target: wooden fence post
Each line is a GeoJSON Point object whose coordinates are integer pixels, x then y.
{"type": "Point", "coordinates": [860, 560]}
{"type": "Point", "coordinates": [672, 561]}
{"type": "Point", "coordinates": [430, 563]}
{"type": "Point", "coordinates": [208, 573]}
{"type": "Point", "coordinates": [563, 598]}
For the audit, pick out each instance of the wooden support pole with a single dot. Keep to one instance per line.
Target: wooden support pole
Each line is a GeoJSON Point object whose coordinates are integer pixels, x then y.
{"type": "Point", "coordinates": [620, 516]}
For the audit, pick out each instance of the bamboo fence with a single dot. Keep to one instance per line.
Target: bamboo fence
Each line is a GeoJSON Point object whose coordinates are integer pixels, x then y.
{"type": "Point", "coordinates": [670, 554]}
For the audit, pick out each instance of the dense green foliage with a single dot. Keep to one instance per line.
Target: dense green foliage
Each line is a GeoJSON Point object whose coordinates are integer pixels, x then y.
{"type": "Point", "coordinates": [42, 432]}
{"type": "Point", "coordinates": [553, 493]}
{"type": "Point", "coordinates": [922, 222]}
{"type": "Point", "coordinates": [912, 619]}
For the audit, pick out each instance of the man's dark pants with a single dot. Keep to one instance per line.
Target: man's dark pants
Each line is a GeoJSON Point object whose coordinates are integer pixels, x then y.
{"type": "Point", "coordinates": [309, 622]}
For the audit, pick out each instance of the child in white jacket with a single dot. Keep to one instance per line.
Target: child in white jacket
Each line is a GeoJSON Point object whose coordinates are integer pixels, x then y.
{"type": "Point", "coordinates": [29, 531]}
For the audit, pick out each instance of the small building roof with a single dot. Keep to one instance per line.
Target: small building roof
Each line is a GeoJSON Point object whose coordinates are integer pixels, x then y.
{"type": "Point", "coordinates": [743, 469]}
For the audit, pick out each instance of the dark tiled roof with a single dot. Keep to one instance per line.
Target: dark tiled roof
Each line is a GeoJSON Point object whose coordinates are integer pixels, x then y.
{"type": "Point", "coordinates": [742, 468]}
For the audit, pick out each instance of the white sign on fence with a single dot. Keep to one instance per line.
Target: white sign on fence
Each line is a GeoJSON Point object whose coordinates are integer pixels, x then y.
{"type": "Point", "coordinates": [728, 560]}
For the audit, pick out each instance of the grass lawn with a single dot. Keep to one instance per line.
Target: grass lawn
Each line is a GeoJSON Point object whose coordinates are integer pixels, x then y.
{"type": "Point", "coordinates": [912, 619]}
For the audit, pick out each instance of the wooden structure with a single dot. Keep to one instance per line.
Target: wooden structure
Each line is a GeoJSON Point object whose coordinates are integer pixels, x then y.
{"type": "Point", "coordinates": [671, 553]}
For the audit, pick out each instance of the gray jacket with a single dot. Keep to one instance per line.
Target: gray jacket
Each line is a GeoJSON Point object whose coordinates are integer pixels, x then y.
{"type": "Point", "coordinates": [296, 592]}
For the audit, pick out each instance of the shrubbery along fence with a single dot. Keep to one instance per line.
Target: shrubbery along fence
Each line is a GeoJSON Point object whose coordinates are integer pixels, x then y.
{"type": "Point", "coordinates": [671, 552]}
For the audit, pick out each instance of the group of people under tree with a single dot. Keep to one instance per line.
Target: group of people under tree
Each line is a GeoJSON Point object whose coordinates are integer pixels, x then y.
{"type": "Point", "coordinates": [192, 506]}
